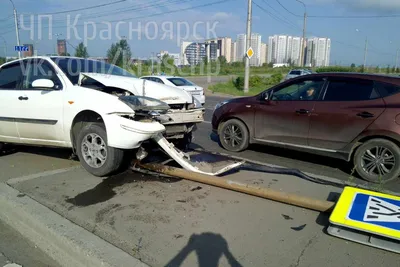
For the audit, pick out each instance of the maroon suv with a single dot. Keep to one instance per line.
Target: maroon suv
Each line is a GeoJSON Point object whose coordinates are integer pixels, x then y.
{"type": "Point", "coordinates": [354, 117]}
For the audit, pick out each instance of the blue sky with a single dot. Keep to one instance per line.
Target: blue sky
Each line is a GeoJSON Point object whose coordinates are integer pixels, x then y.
{"type": "Point", "coordinates": [347, 34]}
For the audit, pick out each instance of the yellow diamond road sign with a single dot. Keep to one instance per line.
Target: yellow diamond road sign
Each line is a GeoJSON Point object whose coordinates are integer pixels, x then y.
{"type": "Point", "coordinates": [250, 52]}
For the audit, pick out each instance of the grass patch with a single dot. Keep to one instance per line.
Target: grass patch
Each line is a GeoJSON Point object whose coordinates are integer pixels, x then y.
{"type": "Point", "coordinates": [229, 88]}
{"type": "Point", "coordinates": [257, 84]}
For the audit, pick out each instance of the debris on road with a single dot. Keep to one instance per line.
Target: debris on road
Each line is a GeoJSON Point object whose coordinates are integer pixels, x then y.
{"type": "Point", "coordinates": [196, 188]}
{"type": "Point", "coordinates": [299, 228]}
{"type": "Point", "coordinates": [287, 217]}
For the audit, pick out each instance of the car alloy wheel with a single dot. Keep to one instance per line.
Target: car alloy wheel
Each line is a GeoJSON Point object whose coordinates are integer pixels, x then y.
{"type": "Point", "coordinates": [94, 150]}
{"type": "Point", "coordinates": [378, 161]}
{"type": "Point", "coordinates": [233, 136]}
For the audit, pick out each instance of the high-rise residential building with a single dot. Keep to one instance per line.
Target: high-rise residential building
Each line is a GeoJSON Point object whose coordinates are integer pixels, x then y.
{"type": "Point", "coordinates": [263, 54]}
{"type": "Point", "coordinates": [28, 53]}
{"type": "Point", "coordinates": [255, 44]}
{"type": "Point", "coordinates": [318, 52]}
{"type": "Point", "coordinates": [284, 48]}
{"type": "Point", "coordinates": [218, 47]}
{"type": "Point", "coordinates": [233, 54]}
{"type": "Point", "coordinates": [192, 53]}
{"type": "Point", "coordinates": [62, 47]}
{"type": "Point", "coordinates": [240, 47]}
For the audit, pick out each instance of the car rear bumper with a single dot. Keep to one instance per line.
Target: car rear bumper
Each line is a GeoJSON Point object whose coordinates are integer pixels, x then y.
{"type": "Point", "coordinates": [185, 116]}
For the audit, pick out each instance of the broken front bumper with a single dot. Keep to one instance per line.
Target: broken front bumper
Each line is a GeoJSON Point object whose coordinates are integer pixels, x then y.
{"type": "Point", "coordinates": [182, 122]}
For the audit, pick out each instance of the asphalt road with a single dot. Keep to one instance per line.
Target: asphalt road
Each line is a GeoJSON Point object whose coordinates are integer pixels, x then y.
{"type": "Point", "coordinates": [304, 162]}
{"type": "Point", "coordinates": [15, 250]}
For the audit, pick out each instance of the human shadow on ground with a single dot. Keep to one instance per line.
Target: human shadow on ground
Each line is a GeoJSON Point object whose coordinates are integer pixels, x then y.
{"type": "Point", "coordinates": [209, 248]}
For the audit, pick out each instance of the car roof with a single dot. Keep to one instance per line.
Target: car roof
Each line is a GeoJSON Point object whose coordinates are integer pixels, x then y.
{"type": "Point", "coordinates": [46, 57]}
{"type": "Point", "coordinates": [356, 75]}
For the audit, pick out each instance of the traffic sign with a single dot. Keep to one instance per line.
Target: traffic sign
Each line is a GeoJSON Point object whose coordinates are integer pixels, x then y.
{"type": "Point", "coordinates": [250, 52]}
{"type": "Point", "coordinates": [21, 48]}
{"type": "Point", "coordinates": [368, 211]}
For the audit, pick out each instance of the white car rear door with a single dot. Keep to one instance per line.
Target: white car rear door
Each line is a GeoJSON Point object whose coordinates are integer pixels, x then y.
{"type": "Point", "coordinates": [41, 114]}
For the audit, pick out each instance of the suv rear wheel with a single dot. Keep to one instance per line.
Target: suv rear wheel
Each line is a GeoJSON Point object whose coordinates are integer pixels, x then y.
{"type": "Point", "coordinates": [1, 146]}
{"type": "Point", "coordinates": [94, 154]}
{"type": "Point", "coordinates": [378, 161]}
{"type": "Point", "coordinates": [233, 135]}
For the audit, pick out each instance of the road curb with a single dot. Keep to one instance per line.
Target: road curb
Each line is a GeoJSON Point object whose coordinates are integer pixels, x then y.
{"type": "Point", "coordinates": [67, 243]}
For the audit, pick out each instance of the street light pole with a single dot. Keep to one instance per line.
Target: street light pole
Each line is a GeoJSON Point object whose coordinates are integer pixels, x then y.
{"type": "Point", "coordinates": [248, 40]}
{"type": "Point", "coordinates": [5, 47]}
{"type": "Point", "coordinates": [16, 27]}
{"type": "Point", "coordinates": [397, 58]}
{"type": "Point", "coordinates": [365, 53]}
{"type": "Point", "coordinates": [303, 43]}
{"type": "Point", "coordinates": [152, 64]}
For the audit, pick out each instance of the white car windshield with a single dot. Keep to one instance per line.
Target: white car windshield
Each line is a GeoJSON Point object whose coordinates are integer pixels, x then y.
{"type": "Point", "coordinates": [72, 67]}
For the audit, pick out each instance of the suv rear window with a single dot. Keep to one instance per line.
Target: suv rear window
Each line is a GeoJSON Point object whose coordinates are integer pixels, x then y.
{"type": "Point", "coordinates": [350, 90]}
{"type": "Point", "coordinates": [386, 89]}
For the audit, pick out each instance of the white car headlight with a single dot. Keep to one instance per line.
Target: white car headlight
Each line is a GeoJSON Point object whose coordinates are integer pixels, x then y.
{"type": "Point", "coordinates": [220, 104]}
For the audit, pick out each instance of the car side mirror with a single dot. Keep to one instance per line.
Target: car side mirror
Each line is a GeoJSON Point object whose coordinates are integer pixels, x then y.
{"type": "Point", "coordinates": [43, 83]}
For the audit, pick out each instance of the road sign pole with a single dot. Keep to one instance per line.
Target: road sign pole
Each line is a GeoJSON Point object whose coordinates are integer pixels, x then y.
{"type": "Point", "coordinates": [248, 40]}
{"type": "Point", "coordinates": [16, 30]}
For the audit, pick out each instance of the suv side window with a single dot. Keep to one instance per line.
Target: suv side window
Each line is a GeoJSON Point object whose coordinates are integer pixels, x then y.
{"type": "Point", "coordinates": [307, 90]}
{"type": "Point", "coordinates": [40, 69]}
{"type": "Point", "coordinates": [386, 89]}
{"type": "Point", "coordinates": [11, 76]}
{"type": "Point", "coordinates": [350, 90]}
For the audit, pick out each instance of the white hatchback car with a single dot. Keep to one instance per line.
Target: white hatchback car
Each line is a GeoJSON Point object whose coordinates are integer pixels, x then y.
{"type": "Point", "coordinates": [97, 109]}
{"type": "Point", "coordinates": [180, 82]}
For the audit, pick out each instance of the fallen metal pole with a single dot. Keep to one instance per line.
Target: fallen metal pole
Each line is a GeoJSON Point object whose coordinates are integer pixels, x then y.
{"type": "Point", "coordinates": [291, 199]}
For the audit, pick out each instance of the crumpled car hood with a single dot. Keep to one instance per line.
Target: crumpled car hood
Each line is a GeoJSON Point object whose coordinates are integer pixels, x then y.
{"type": "Point", "coordinates": [140, 87]}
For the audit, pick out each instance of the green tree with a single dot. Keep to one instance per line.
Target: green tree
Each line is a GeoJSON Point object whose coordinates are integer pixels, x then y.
{"type": "Point", "coordinates": [222, 60]}
{"type": "Point", "coordinates": [388, 69]}
{"type": "Point", "coordinates": [2, 60]}
{"type": "Point", "coordinates": [353, 66]}
{"type": "Point", "coordinates": [168, 63]}
{"type": "Point", "coordinates": [377, 69]}
{"type": "Point", "coordinates": [205, 60]}
{"type": "Point", "coordinates": [65, 54]}
{"type": "Point", "coordinates": [393, 70]}
{"type": "Point", "coordinates": [81, 51]}
{"type": "Point", "coordinates": [120, 54]}
{"type": "Point", "coordinates": [270, 65]}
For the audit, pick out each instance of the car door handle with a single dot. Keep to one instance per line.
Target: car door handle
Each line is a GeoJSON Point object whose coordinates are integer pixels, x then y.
{"type": "Point", "coordinates": [365, 115]}
{"type": "Point", "coordinates": [23, 98]}
{"type": "Point", "coordinates": [302, 111]}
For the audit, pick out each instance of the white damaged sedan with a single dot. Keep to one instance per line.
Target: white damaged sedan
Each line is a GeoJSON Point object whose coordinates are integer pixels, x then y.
{"type": "Point", "coordinates": [97, 109]}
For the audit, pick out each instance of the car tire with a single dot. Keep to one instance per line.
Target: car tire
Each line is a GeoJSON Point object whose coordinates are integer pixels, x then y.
{"type": "Point", "coordinates": [378, 161]}
{"type": "Point", "coordinates": [234, 135]}
{"type": "Point", "coordinates": [93, 152]}
{"type": "Point", "coordinates": [1, 146]}
{"type": "Point", "coordinates": [184, 143]}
